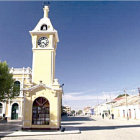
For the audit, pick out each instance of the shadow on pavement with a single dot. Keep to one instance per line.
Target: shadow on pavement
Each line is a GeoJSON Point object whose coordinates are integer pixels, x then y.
{"type": "Point", "coordinates": [71, 123]}
{"type": "Point", "coordinates": [77, 118]}
{"type": "Point", "coordinates": [88, 128]}
{"type": "Point", "coordinates": [9, 127]}
{"type": "Point", "coordinates": [4, 134]}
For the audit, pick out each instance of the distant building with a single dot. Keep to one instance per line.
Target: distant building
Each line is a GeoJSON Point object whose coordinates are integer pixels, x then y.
{"type": "Point", "coordinates": [104, 108]}
{"type": "Point", "coordinates": [88, 111]}
{"type": "Point", "coordinates": [126, 107]}
{"type": "Point", "coordinates": [67, 109]}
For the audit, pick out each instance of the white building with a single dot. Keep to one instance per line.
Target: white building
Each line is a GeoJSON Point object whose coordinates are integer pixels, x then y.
{"type": "Point", "coordinates": [127, 107]}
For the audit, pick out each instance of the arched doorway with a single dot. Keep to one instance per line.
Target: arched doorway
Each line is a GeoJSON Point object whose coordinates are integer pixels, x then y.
{"type": "Point", "coordinates": [15, 108]}
{"type": "Point", "coordinates": [41, 111]}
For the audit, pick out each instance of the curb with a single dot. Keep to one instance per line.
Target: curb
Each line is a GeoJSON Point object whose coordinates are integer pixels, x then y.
{"type": "Point", "coordinates": [35, 133]}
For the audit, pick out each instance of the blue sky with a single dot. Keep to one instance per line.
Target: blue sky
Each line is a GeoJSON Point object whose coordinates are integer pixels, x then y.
{"type": "Point", "coordinates": [99, 50]}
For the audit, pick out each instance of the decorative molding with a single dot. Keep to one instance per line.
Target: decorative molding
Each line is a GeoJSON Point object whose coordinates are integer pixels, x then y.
{"type": "Point", "coordinates": [27, 94]}
{"type": "Point", "coordinates": [21, 70]}
{"type": "Point", "coordinates": [47, 48]}
{"type": "Point", "coordinates": [41, 85]}
{"type": "Point", "coordinates": [54, 32]}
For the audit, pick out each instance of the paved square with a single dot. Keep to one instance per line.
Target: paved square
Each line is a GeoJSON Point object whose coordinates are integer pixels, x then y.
{"type": "Point", "coordinates": [92, 128]}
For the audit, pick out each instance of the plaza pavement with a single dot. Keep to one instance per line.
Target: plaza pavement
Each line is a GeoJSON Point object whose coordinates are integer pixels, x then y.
{"type": "Point", "coordinates": [14, 129]}
{"type": "Point", "coordinates": [92, 128]}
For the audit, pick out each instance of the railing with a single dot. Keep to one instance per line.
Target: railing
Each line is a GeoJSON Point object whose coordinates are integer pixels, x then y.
{"type": "Point", "coordinates": [21, 70]}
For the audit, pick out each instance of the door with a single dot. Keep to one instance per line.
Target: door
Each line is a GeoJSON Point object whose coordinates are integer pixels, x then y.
{"type": "Point", "coordinates": [14, 115]}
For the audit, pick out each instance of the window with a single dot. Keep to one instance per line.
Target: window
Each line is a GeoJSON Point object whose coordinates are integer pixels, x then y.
{"type": "Point", "coordinates": [0, 108]}
{"type": "Point", "coordinates": [17, 87]}
{"type": "Point", "coordinates": [44, 27]}
{"type": "Point", "coordinates": [41, 112]}
{"type": "Point", "coordinates": [17, 84]}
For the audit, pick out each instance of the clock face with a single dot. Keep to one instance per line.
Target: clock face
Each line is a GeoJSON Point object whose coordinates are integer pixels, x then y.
{"type": "Point", "coordinates": [43, 42]}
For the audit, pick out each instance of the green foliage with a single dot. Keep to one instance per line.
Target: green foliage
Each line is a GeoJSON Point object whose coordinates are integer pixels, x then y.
{"type": "Point", "coordinates": [73, 112]}
{"type": "Point", "coordinates": [121, 95]}
{"type": "Point", "coordinates": [79, 112]}
{"type": "Point", "coordinates": [8, 89]}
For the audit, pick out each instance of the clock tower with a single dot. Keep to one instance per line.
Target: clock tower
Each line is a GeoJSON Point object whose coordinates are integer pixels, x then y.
{"type": "Point", "coordinates": [44, 41]}
{"type": "Point", "coordinates": [42, 102]}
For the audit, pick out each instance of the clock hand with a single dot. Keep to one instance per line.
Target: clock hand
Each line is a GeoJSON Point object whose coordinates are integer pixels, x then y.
{"type": "Point", "coordinates": [44, 43]}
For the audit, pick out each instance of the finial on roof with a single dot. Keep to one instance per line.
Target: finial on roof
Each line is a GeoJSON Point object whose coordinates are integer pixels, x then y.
{"type": "Point", "coordinates": [46, 8]}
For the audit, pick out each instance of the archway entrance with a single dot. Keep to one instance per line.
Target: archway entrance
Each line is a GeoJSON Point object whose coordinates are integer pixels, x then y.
{"type": "Point", "coordinates": [41, 112]}
{"type": "Point", "coordinates": [14, 115]}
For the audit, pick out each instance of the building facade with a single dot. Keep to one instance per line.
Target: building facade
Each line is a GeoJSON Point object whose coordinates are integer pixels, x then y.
{"type": "Point", "coordinates": [67, 109]}
{"type": "Point", "coordinates": [88, 111]}
{"type": "Point", "coordinates": [126, 107]}
{"type": "Point", "coordinates": [13, 109]}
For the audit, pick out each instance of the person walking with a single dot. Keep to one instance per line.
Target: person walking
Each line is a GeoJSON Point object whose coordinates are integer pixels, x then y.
{"type": "Point", "coordinates": [102, 116]}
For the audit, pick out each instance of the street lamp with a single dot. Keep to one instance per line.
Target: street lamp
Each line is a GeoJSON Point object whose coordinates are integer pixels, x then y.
{"type": "Point", "coordinates": [126, 103]}
{"type": "Point", "coordinates": [62, 87]}
{"type": "Point", "coordinates": [139, 91]}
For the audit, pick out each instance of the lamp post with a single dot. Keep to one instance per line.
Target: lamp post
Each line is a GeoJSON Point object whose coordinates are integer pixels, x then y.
{"type": "Point", "coordinates": [139, 97]}
{"type": "Point", "coordinates": [62, 87]}
{"type": "Point", "coordinates": [61, 98]}
{"type": "Point", "coordinates": [126, 104]}
{"type": "Point", "coordinates": [139, 91]}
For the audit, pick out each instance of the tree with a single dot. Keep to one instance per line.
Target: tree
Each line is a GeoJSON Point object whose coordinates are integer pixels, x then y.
{"type": "Point", "coordinates": [79, 112]}
{"type": "Point", "coordinates": [121, 95]}
{"type": "Point", "coordinates": [8, 90]}
{"type": "Point", "coordinates": [73, 112]}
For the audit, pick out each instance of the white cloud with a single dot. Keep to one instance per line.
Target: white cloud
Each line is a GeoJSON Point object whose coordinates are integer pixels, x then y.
{"type": "Point", "coordinates": [73, 93]}
{"type": "Point", "coordinates": [83, 97]}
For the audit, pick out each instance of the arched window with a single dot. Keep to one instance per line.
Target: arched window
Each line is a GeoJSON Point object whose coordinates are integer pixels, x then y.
{"type": "Point", "coordinates": [17, 87]}
{"type": "Point", "coordinates": [43, 27]}
{"type": "Point", "coordinates": [41, 112]}
{"type": "Point", "coordinates": [0, 108]}
{"type": "Point", "coordinates": [17, 84]}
